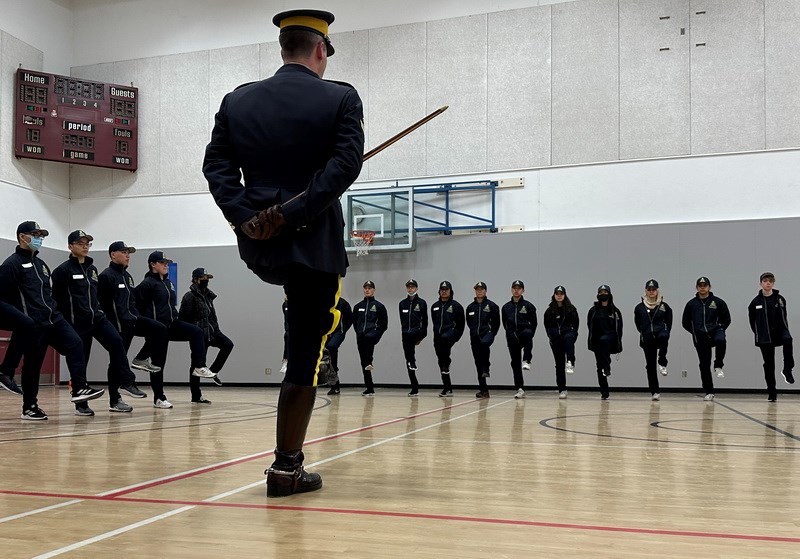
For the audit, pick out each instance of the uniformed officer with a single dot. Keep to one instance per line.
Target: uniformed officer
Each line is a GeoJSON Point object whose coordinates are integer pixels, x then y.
{"type": "Point", "coordinates": [116, 294]}
{"type": "Point", "coordinates": [282, 152]}
{"type": "Point", "coordinates": [336, 339]}
{"type": "Point", "coordinates": [519, 321]}
{"type": "Point", "coordinates": [447, 319]}
{"type": "Point", "coordinates": [370, 321]}
{"type": "Point", "coordinates": [483, 320]}
{"type": "Point", "coordinates": [75, 292]}
{"type": "Point", "coordinates": [414, 329]}
{"type": "Point", "coordinates": [25, 284]}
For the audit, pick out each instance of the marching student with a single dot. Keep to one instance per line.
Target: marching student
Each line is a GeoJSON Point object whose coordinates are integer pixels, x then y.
{"type": "Point", "coordinates": [653, 319]}
{"type": "Point", "coordinates": [561, 323]}
{"type": "Point", "coordinates": [519, 321]}
{"type": "Point", "coordinates": [447, 319]}
{"type": "Point", "coordinates": [413, 329]}
{"type": "Point", "coordinates": [336, 339]}
{"type": "Point", "coordinates": [370, 321]}
{"type": "Point", "coordinates": [483, 320]}
{"type": "Point", "coordinates": [605, 335]}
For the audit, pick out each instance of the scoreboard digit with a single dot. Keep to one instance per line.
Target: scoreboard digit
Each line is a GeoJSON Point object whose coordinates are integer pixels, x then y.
{"type": "Point", "coordinates": [72, 120]}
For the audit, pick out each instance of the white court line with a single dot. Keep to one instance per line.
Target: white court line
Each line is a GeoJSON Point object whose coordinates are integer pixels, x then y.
{"type": "Point", "coordinates": [37, 511]}
{"type": "Point", "coordinates": [128, 528]}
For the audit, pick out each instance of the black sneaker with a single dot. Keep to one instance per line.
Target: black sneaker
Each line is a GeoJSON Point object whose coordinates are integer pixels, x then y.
{"type": "Point", "coordinates": [445, 393]}
{"type": "Point", "coordinates": [606, 372]}
{"type": "Point", "coordinates": [413, 394]}
{"type": "Point", "coordinates": [8, 383]}
{"type": "Point", "coordinates": [368, 393]}
{"type": "Point", "coordinates": [34, 413]}
{"type": "Point", "coordinates": [333, 391]}
{"type": "Point", "coordinates": [787, 376]}
{"type": "Point", "coordinates": [772, 398]}
{"type": "Point", "coordinates": [482, 395]}
{"type": "Point", "coordinates": [133, 391]}
{"type": "Point", "coordinates": [87, 393]}
{"type": "Point", "coordinates": [485, 374]}
{"type": "Point", "coordinates": [84, 410]}
{"type": "Point", "coordinates": [215, 380]}
{"type": "Point", "coordinates": [201, 400]}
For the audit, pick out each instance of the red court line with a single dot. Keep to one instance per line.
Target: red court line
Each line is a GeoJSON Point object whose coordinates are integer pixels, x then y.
{"type": "Point", "coordinates": [418, 516]}
{"type": "Point", "coordinates": [179, 477]}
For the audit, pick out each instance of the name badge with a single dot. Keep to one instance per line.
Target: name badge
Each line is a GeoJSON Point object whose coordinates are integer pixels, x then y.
{"type": "Point", "coordinates": [472, 313]}
{"type": "Point", "coordinates": [759, 307]}
{"type": "Point", "coordinates": [405, 310]}
{"type": "Point", "coordinates": [28, 265]}
{"type": "Point", "coordinates": [78, 276]}
{"type": "Point", "coordinates": [435, 309]}
{"type": "Point", "coordinates": [362, 310]}
{"type": "Point", "coordinates": [121, 286]}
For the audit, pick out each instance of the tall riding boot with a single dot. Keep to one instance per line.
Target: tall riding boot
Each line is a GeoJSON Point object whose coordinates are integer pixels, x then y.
{"type": "Point", "coordinates": [286, 475]}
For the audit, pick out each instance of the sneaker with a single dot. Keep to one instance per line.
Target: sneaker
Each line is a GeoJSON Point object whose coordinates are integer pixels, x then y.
{"type": "Point", "coordinates": [284, 366]}
{"type": "Point", "coordinates": [202, 372]}
{"type": "Point", "coordinates": [121, 407]}
{"type": "Point", "coordinates": [413, 394]}
{"type": "Point", "coordinates": [606, 372]}
{"type": "Point", "coordinates": [604, 397]}
{"type": "Point", "coordinates": [520, 394]}
{"type": "Point", "coordinates": [201, 400]}
{"type": "Point", "coordinates": [145, 365]}
{"type": "Point", "coordinates": [482, 395]}
{"type": "Point", "coordinates": [719, 372]}
{"type": "Point", "coordinates": [411, 366]}
{"type": "Point", "coordinates": [34, 413]}
{"type": "Point", "coordinates": [787, 376]}
{"type": "Point", "coordinates": [162, 404]}
{"type": "Point", "coordinates": [663, 370]}
{"type": "Point", "coordinates": [656, 397]}
{"type": "Point", "coordinates": [772, 398]}
{"type": "Point", "coordinates": [133, 391]}
{"type": "Point", "coordinates": [562, 395]}
{"type": "Point", "coordinates": [708, 397]}
{"type": "Point", "coordinates": [368, 393]}
{"type": "Point", "coordinates": [84, 410]}
{"type": "Point", "coordinates": [570, 368]}
{"type": "Point", "coordinates": [8, 383]}
{"type": "Point", "coordinates": [369, 367]}
{"type": "Point", "coordinates": [526, 365]}
{"type": "Point", "coordinates": [215, 379]}
{"type": "Point", "coordinates": [485, 374]}
{"type": "Point", "coordinates": [87, 393]}
{"type": "Point", "coordinates": [445, 393]}
{"type": "Point", "coordinates": [333, 391]}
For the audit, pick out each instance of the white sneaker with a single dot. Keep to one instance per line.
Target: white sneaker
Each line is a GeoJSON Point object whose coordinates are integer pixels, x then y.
{"type": "Point", "coordinates": [284, 365]}
{"type": "Point", "coordinates": [656, 397]}
{"type": "Point", "coordinates": [369, 367]}
{"type": "Point", "coordinates": [720, 373]}
{"type": "Point", "coordinates": [526, 365]}
{"type": "Point", "coordinates": [708, 397]}
{"type": "Point", "coordinates": [663, 370]}
{"type": "Point", "coordinates": [520, 394]}
{"type": "Point", "coordinates": [562, 395]}
{"type": "Point", "coordinates": [570, 368]}
{"type": "Point", "coordinates": [203, 372]}
{"type": "Point", "coordinates": [162, 404]}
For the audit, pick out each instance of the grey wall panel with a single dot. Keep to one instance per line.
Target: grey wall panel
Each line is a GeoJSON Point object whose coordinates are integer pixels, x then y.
{"type": "Point", "coordinates": [227, 69]}
{"type": "Point", "coordinates": [184, 124]}
{"type": "Point", "coordinates": [727, 75]}
{"type": "Point", "coordinates": [269, 59]}
{"type": "Point", "coordinates": [585, 82]}
{"type": "Point", "coordinates": [654, 83]}
{"type": "Point", "coordinates": [519, 89]}
{"type": "Point", "coordinates": [15, 53]}
{"type": "Point", "coordinates": [397, 98]}
{"type": "Point", "coordinates": [782, 45]}
{"type": "Point", "coordinates": [97, 72]}
{"type": "Point", "coordinates": [456, 76]}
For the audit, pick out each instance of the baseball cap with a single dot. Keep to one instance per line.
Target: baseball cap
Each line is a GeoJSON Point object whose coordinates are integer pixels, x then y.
{"type": "Point", "coordinates": [518, 283]}
{"type": "Point", "coordinates": [200, 272]}
{"type": "Point", "coordinates": [413, 282]}
{"type": "Point", "coordinates": [369, 283]}
{"type": "Point", "coordinates": [703, 279]}
{"type": "Point", "coordinates": [480, 285]}
{"type": "Point", "coordinates": [766, 275]}
{"type": "Point", "coordinates": [604, 287]}
{"type": "Point", "coordinates": [28, 227]}
{"type": "Point", "coordinates": [120, 246]}
{"type": "Point", "coordinates": [651, 284]}
{"type": "Point", "coordinates": [445, 285]}
{"type": "Point", "coordinates": [560, 289]}
{"type": "Point", "coordinates": [158, 256]}
{"type": "Point", "coordinates": [76, 236]}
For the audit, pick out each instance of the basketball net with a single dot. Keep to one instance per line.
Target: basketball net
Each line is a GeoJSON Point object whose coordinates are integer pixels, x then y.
{"type": "Point", "coordinates": [362, 240]}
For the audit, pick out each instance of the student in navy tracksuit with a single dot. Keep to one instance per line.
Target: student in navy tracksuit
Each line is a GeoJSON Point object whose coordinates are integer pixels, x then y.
{"type": "Point", "coordinates": [447, 321]}
{"type": "Point", "coordinates": [413, 329]}
{"type": "Point", "coordinates": [370, 321]}
{"type": "Point", "coordinates": [483, 320]}
{"type": "Point", "coordinates": [605, 335]}
{"type": "Point", "coordinates": [519, 321]}
{"type": "Point", "coordinates": [15, 321]}
{"type": "Point", "coordinates": [653, 319]}
{"type": "Point", "coordinates": [336, 339]}
{"type": "Point", "coordinates": [561, 323]}
{"type": "Point", "coordinates": [768, 321]}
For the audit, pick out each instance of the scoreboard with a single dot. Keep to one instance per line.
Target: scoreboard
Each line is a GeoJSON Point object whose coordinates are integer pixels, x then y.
{"type": "Point", "coordinates": [60, 118]}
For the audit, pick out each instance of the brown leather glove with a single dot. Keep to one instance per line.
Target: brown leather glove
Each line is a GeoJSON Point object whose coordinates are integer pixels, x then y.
{"type": "Point", "coordinates": [266, 224]}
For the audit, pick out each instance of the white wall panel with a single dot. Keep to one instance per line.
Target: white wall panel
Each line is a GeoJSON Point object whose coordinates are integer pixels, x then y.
{"type": "Point", "coordinates": [782, 59]}
{"type": "Point", "coordinates": [585, 82]}
{"type": "Point", "coordinates": [519, 89]}
{"type": "Point", "coordinates": [654, 78]}
{"type": "Point", "coordinates": [397, 98]}
{"type": "Point", "coordinates": [727, 75]}
{"type": "Point", "coordinates": [456, 76]}
{"type": "Point", "coordinates": [21, 204]}
{"type": "Point", "coordinates": [228, 69]}
{"type": "Point", "coordinates": [184, 122]}
{"type": "Point", "coordinates": [269, 59]}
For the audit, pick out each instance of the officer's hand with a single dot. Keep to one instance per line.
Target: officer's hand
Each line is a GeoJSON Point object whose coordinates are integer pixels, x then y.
{"type": "Point", "coordinates": [266, 224]}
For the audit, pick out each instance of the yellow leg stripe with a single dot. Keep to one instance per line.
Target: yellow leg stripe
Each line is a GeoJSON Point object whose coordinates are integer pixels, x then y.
{"type": "Point", "coordinates": [336, 317]}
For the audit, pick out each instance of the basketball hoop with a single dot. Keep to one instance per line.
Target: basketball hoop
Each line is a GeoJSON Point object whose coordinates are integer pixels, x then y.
{"type": "Point", "coordinates": [362, 240]}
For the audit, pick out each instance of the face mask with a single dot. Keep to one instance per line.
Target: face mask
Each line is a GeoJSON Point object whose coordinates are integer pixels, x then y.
{"type": "Point", "coordinates": [36, 243]}
{"type": "Point", "coordinates": [203, 283]}
{"type": "Point", "coordinates": [603, 297]}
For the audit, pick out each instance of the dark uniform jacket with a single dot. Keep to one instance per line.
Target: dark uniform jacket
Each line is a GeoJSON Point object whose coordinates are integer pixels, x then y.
{"type": "Point", "coordinates": [370, 318]}
{"type": "Point", "coordinates": [290, 134]}
{"type": "Point", "coordinates": [197, 307]}
{"type": "Point", "coordinates": [75, 291]}
{"type": "Point", "coordinates": [768, 319]}
{"type": "Point", "coordinates": [156, 298]}
{"type": "Point", "coordinates": [25, 284]}
{"type": "Point", "coordinates": [519, 316]}
{"type": "Point", "coordinates": [447, 318]}
{"type": "Point", "coordinates": [604, 321]}
{"type": "Point", "coordinates": [559, 320]}
{"type": "Point", "coordinates": [345, 318]}
{"type": "Point", "coordinates": [653, 324]}
{"type": "Point", "coordinates": [117, 296]}
{"type": "Point", "coordinates": [706, 316]}
{"type": "Point", "coordinates": [414, 317]}
{"type": "Point", "coordinates": [483, 320]}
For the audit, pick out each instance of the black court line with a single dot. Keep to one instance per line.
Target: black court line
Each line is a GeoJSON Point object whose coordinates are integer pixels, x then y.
{"type": "Point", "coordinates": [763, 423]}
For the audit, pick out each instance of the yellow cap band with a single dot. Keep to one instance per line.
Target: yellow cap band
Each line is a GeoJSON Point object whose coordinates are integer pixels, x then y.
{"type": "Point", "coordinates": [306, 21]}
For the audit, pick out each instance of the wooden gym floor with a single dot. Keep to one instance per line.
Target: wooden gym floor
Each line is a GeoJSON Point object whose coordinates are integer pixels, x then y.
{"type": "Point", "coordinates": [426, 477]}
